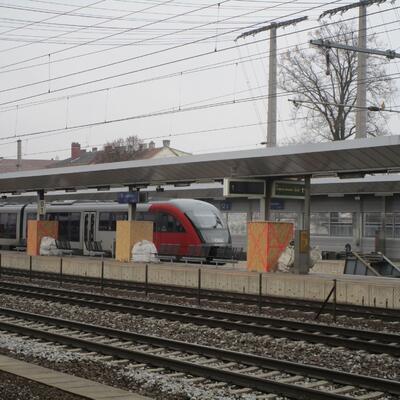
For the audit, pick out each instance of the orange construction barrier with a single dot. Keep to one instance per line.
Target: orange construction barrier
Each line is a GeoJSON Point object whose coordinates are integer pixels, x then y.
{"type": "Point", "coordinates": [266, 241]}
{"type": "Point", "coordinates": [36, 231]}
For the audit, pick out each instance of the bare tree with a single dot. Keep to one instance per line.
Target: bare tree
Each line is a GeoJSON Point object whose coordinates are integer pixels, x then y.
{"type": "Point", "coordinates": [121, 149]}
{"type": "Point", "coordinates": [327, 83]}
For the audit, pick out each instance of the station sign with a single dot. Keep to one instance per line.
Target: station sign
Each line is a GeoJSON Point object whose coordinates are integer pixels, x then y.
{"type": "Point", "coordinates": [277, 204]}
{"type": "Point", "coordinates": [225, 205]}
{"type": "Point", "coordinates": [234, 187]}
{"type": "Point", "coordinates": [129, 197]}
{"type": "Point", "coordinates": [41, 207]}
{"type": "Point", "coordinates": [288, 189]}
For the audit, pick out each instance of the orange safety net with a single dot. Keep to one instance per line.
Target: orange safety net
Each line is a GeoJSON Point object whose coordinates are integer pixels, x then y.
{"type": "Point", "coordinates": [265, 243]}
{"type": "Point", "coordinates": [36, 231]}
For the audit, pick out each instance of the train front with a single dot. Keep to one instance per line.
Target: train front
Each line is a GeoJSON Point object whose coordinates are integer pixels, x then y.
{"type": "Point", "coordinates": [208, 222]}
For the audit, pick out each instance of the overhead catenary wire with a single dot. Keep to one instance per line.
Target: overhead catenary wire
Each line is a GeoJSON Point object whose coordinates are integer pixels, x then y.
{"type": "Point", "coordinates": [145, 115]}
{"type": "Point", "coordinates": [140, 70]}
{"type": "Point", "coordinates": [107, 20]}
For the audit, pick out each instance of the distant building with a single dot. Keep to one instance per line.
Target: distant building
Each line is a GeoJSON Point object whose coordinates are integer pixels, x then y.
{"type": "Point", "coordinates": [109, 154]}
{"type": "Point", "coordinates": [10, 165]}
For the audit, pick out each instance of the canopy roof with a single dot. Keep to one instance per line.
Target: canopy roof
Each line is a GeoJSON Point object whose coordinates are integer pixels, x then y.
{"type": "Point", "coordinates": [346, 159]}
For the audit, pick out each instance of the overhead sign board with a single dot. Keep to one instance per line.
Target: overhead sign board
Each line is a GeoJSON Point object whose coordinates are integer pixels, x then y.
{"type": "Point", "coordinates": [128, 197]}
{"type": "Point", "coordinates": [288, 189]}
{"type": "Point", "coordinates": [234, 187]}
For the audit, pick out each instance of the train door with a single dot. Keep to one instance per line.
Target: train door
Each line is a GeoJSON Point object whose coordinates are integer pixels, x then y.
{"type": "Point", "coordinates": [89, 229]}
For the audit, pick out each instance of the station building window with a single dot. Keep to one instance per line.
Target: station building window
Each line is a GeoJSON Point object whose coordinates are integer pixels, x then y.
{"type": "Point", "coordinates": [8, 225]}
{"type": "Point", "coordinates": [108, 220]}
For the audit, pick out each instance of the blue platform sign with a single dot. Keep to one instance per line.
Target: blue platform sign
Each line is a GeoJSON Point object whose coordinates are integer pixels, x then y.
{"type": "Point", "coordinates": [128, 197]}
{"type": "Point", "coordinates": [225, 205]}
{"type": "Point", "coordinates": [277, 204]}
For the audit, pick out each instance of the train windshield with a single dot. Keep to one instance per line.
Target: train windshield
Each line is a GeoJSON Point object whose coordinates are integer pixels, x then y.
{"type": "Point", "coordinates": [206, 219]}
{"type": "Point", "coordinates": [209, 222]}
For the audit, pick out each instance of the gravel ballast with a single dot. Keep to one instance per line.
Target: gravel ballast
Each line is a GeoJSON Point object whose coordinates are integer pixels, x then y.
{"type": "Point", "coordinates": [378, 365]}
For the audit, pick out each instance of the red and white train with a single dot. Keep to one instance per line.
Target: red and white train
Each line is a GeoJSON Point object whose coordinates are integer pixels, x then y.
{"type": "Point", "coordinates": [180, 221]}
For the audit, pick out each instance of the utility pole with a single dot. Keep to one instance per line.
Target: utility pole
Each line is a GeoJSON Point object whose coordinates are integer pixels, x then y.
{"type": "Point", "coordinates": [361, 113]}
{"type": "Point", "coordinates": [19, 154]}
{"type": "Point", "coordinates": [272, 75]}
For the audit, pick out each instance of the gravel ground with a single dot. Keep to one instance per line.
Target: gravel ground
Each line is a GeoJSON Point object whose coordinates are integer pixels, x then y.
{"type": "Point", "coordinates": [379, 365]}
{"type": "Point", "coordinates": [297, 315]}
{"type": "Point", "coordinates": [140, 380]}
{"type": "Point", "coordinates": [15, 388]}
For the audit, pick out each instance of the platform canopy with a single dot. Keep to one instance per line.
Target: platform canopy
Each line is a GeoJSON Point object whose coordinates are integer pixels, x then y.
{"type": "Point", "coordinates": [345, 159]}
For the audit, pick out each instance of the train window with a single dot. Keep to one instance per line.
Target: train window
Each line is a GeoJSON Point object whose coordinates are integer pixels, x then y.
{"type": "Point", "coordinates": [8, 225]}
{"type": "Point", "coordinates": [145, 216]}
{"type": "Point", "coordinates": [68, 225]}
{"type": "Point", "coordinates": [168, 223]}
{"type": "Point", "coordinates": [108, 220]}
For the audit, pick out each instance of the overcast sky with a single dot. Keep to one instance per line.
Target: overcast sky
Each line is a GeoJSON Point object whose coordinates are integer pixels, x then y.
{"type": "Point", "coordinates": [169, 55]}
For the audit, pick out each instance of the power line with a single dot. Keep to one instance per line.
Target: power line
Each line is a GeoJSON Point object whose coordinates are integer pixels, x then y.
{"type": "Point", "coordinates": [80, 29]}
{"type": "Point", "coordinates": [130, 59]}
{"type": "Point", "coordinates": [54, 16]}
{"type": "Point", "coordinates": [149, 39]}
{"type": "Point", "coordinates": [145, 115]}
{"type": "Point", "coordinates": [146, 68]}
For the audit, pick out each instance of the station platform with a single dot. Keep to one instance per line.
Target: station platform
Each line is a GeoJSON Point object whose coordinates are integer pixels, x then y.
{"type": "Point", "coordinates": [358, 290]}
{"type": "Point", "coordinates": [84, 388]}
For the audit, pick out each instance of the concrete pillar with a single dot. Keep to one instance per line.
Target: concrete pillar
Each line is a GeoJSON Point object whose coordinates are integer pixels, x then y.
{"type": "Point", "coordinates": [302, 237]}
{"type": "Point", "coordinates": [132, 207]}
{"type": "Point", "coordinates": [265, 202]}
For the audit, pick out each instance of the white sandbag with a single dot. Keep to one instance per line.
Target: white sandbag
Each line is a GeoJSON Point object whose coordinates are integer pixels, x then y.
{"type": "Point", "coordinates": [286, 259]}
{"type": "Point", "coordinates": [315, 255]}
{"type": "Point", "coordinates": [144, 251]}
{"type": "Point", "coordinates": [48, 247]}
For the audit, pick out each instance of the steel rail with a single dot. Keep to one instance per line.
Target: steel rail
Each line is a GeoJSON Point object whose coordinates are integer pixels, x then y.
{"type": "Point", "coordinates": [216, 295]}
{"type": "Point", "coordinates": [385, 385]}
{"type": "Point", "coordinates": [235, 378]}
{"type": "Point", "coordinates": [370, 341]}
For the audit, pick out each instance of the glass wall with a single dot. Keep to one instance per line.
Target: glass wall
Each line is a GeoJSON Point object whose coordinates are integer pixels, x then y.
{"type": "Point", "coordinates": [331, 224]}
{"type": "Point", "coordinates": [237, 223]}
{"type": "Point", "coordinates": [372, 223]}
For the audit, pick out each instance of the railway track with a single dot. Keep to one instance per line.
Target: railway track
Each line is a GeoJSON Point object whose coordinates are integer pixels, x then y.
{"type": "Point", "coordinates": [385, 314]}
{"type": "Point", "coordinates": [249, 372]}
{"type": "Point", "coordinates": [370, 341]}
